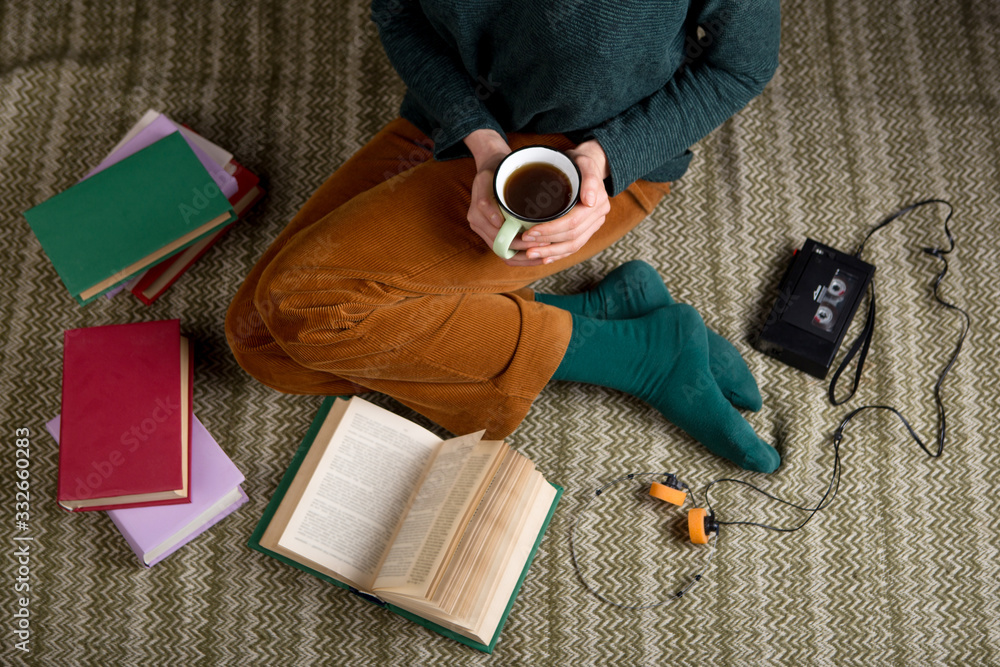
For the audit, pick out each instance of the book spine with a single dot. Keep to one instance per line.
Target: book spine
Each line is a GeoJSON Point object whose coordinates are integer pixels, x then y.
{"type": "Point", "coordinates": [60, 473]}
{"type": "Point", "coordinates": [129, 537]}
{"type": "Point", "coordinates": [249, 193]}
{"type": "Point", "coordinates": [216, 519]}
{"type": "Point", "coordinates": [171, 264]}
{"type": "Point", "coordinates": [190, 416]}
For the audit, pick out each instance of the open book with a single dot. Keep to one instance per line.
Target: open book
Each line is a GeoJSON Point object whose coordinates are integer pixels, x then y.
{"type": "Point", "coordinates": [440, 531]}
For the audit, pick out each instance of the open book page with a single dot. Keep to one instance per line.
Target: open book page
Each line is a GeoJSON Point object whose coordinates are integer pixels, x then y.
{"type": "Point", "coordinates": [482, 483]}
{"type": "Point", "coordinates": [294, 492]}
{"type": "Point", "coordinates": [495, 520]}
{"type": "Point", "coordinates": [490, 511]}
{"type": "Point", "coordinates": [494, 558]}
{"type": "Point", "coordinates": [448, 496]}
{"type": "Point", "coordinates": [494, 562]}
{"type": "Point", "coordinates": [490, 507]}
{"type": "Point", "coordinates": [347, 501]}
{"type": "Point", "coordinates": [497, 545]}
{"type": "Point", "coordinates": [511, 573]}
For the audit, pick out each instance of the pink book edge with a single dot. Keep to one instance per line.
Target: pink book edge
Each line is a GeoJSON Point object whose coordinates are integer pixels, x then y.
{"type": "Point", "coordinates": [204, 441]}
{"type": "Point", "coordinates": [214, 520]}
{"type": "Point", "coordinates": [158, 129]}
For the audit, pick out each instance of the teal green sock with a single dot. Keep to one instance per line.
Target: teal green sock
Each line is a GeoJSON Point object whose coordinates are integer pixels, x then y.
{"type": "Point", "coordinates": [634, 289]}
{"type": "Point", "coordinates": [663, 358]}
{"type": "Point", "coordinates": [630, 290]}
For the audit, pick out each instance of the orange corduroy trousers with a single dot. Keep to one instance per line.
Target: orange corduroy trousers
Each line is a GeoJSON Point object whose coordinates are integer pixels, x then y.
{"type": "Point", "coordinates": [379, 284]}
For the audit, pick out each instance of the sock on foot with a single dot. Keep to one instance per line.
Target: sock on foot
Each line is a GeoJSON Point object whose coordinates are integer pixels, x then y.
{"type": "Point", "coordinates": [631, 290]}
{"type": "Point", "coordinates": [634, 289]}
{"type": "Point", "coordinates": [663, 358]}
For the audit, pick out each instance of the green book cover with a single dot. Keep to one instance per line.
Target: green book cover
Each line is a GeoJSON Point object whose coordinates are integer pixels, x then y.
{"type": "Point", "coordinates": [119, 221]}
{"type": "Point", "coordinates": [279, 494]}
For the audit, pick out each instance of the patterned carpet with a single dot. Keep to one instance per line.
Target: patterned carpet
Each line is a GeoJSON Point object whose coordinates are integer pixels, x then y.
{"type": "Point", "coordinates": [876, 105]}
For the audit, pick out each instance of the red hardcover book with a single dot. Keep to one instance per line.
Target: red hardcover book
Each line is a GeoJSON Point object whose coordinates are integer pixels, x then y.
{"type": "Point", "coordinates": [125, 438]}
{"type": "Point", "coordinates": [157, 279]}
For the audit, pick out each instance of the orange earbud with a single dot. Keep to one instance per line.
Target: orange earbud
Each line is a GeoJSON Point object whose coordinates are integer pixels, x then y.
{"type": "Point", "coordinates": [700, 523]}
{"type": "Point", "coordinates": [670, 494]}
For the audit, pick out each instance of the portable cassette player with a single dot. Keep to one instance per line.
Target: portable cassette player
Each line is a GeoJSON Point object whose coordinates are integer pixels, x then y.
{"type": "Point", "coordinates": [816, 302]}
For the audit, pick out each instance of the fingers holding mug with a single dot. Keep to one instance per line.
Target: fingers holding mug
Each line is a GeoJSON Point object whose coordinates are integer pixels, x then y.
{"type": "Point", "coordinates": [532, 185]}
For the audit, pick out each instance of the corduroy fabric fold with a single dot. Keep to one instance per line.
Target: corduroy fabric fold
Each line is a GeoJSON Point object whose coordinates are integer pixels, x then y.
{"type": "Point", "coordinates": [379, 284]}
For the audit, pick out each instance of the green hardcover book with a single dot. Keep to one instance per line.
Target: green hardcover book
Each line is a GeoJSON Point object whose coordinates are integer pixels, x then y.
{"type": "Point", "coordinates": [147, 207]}
{"type": "Point", "coordinates": [370, 498]}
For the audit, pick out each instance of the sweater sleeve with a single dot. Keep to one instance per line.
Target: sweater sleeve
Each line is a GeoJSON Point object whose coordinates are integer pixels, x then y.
{"type": "Point", "coordinates": [722, 72]}
{"type": "Point", "coordinates": [433, 74]}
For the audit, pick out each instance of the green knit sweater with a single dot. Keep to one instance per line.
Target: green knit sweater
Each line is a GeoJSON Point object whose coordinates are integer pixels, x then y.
{"type": "Point", "coordinates": [632, 74]}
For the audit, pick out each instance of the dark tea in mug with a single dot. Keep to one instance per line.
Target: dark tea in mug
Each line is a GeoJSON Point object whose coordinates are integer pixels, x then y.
{"type": "Point", "coordinates": [537, 190]}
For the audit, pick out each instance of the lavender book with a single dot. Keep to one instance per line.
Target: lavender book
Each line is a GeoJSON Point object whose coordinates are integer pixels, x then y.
{"type": "Point", "coordinates": [156, 532]}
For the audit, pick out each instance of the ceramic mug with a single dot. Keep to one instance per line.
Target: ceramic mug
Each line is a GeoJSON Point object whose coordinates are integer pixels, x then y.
{"type": "Point", "coordinates": [527, 213]}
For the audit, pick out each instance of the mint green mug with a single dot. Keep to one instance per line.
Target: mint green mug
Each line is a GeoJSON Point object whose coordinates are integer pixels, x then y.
{"type": "Point", "coordinates": [530, 213]}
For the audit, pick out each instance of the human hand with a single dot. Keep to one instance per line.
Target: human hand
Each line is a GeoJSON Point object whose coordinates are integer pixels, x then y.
{"type": "Point", "coordinates": [488, 148]}
{"type": "Point", "coordinates": [563, 236]}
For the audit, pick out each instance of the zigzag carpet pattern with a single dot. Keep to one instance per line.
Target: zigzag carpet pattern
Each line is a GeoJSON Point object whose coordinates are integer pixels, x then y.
{"type": "Point", "coordinates": [875, 106]}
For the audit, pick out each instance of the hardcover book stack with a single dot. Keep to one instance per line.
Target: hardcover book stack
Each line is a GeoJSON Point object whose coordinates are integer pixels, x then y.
{"type": "Point", "coordinates": [158, 201]}
{"type": "Point", "coordinates": [130, 443]}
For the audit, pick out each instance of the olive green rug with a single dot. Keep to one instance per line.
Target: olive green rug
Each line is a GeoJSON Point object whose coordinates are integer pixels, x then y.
{"type": "Point", "coordinates": [876, 105]}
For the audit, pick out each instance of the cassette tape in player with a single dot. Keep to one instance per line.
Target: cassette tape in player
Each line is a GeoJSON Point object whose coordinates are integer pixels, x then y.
{"type": "Point", "coordinates": [817, 300]}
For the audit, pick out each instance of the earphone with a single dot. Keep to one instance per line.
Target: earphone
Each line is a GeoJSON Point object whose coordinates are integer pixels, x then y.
{"type": "Point", "coordinates": [701, 523]}
{"type": "Point", "coordinates": [703, 526]}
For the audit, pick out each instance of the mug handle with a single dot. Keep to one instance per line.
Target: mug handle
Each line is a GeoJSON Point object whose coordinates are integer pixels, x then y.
{"type": "Point", "coordinates": [510, 228]}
